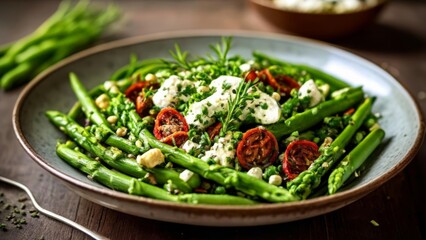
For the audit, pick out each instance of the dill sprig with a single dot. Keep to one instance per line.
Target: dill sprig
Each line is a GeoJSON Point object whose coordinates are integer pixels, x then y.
{"type": "Point", "coordinates": [222, 49]}
{"type": "Point", "coordinates": [235, 106]}
{"type": "Point", "coordinates": [181, 57]}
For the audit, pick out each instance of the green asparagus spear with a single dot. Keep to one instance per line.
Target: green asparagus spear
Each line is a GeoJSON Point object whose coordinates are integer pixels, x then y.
{"type": "Point", "coordinates": [68, 30]}
{"type": "Point", "coordinates": [50, 46]}
{"type": "Point", "coordinates": [304, 120]}
{"type": "Point", "coordinates": [114, 157]}
{"type": "Point", "coordinates": [90, 109]}
{"type": "Point", "coordinates": [4, 49]}
{"type": "Point", "coordinates": [123, 144]}
{"type": "Point", "coordinates": [309, 179]}
{"type": "Point", "coordinates": [17, 75]}
{"type": "Point", "coordinates": [123, 84]}
{"type": "Point", "coordinates": [354, 160]}
{"type": "Point", "coordinates": [148, 66]}
{"type": "Point", "coordinates": [45, 28]}
{"type": "Point", "coordinates": [124, 183]}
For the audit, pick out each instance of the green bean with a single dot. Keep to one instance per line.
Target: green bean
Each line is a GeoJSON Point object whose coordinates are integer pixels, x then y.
{"type": "Point", "coordinates": [123, 84]}
{"type": "Point", "coordinates": [16, 76]}
{"type": "Point", "coordinates": [90, 109]}
{"type": "Point", "coordinates": [354, 160]}
{"type": "Point", "coordinates": [142, 67]}
{"type": "Point", "coordinates": [68, 30]}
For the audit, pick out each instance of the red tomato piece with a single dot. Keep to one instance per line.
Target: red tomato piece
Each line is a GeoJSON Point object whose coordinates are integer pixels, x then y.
{"type": "Point", "coordinates": [281, 83]}
{"type": "Point", "coordinates": [169, 121]}
{"type": "Point", "coordinates": [143, 105]}
{"type": "Point", "coordinates": [258, 148]}
{"type": "Point", "coordinates": [350, 111]}
{"type": "Point", "coordinates": [136, 94]}
{"type": "Point", "coordinates": [250, 76]}
{"type": "Point", "coordinates": [298, 156]}
{"type": "Point", "coordinates": [176, 138]}
{"type": "Point", "coordinates": [214, 130]}
{"type": "Point", "coordinates": [134, 90]}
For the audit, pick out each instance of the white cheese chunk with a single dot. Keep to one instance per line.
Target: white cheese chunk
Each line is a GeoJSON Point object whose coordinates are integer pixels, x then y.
{"type": "Point", "coordinates": [222, 152]}
{"type": "Point", "coordinates": [151, 158]}
{"type": "Point", "coordinates": [168, 94]}
{"type": "Point", "coordinates": [310, 89]}
{"type": "Point", "coordinates": [189, 145]}
{"type": "Point", "coordinates": [185, 175]}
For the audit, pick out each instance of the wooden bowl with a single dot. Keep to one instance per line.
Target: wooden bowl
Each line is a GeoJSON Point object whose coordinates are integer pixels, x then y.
{"type": "Point", "coordinates": [317, 25]}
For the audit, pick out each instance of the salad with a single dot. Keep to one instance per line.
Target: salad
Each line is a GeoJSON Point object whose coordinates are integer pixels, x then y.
{"type": "Point", "coordinates": [326, 6]}
{"type": "Point", "coordinates": [219, 129]}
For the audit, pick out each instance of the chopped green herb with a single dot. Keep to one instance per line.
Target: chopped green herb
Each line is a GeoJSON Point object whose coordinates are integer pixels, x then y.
{"type": "Point", "coordinates": [376, 224]}
{"type": "Point", "coordinates": [3, 227]}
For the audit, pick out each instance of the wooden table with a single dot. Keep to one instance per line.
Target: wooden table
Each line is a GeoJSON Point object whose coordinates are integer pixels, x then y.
{"type": "Point", "coordinates": [397, 41]}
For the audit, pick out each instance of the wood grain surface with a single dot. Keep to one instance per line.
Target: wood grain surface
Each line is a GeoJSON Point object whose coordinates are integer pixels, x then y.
{"type": "Point", "coordinates": [397, 42]}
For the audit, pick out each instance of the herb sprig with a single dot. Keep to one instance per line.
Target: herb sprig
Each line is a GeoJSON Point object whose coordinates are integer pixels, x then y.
{"type": "Point", "coordinates": [235, 106]}
{"type": "Point", "coordinates": [181, 57]}
{"type": "Point", "coordinates": [222, 50]}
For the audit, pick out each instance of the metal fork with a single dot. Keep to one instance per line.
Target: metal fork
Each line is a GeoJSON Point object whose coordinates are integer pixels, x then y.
{"type": "Point", "coordinates": [52, 214]}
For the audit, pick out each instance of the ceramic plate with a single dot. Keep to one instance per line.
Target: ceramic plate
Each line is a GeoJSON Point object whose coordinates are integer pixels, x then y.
{"type": "Point", "coordinates": [51, 91]}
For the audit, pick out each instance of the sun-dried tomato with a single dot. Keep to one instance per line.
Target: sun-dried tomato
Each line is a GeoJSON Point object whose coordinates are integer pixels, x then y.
{"type": "Point", "coordinates": [281, 83]}
{"type": "Point", "coordinates": [298, 156]}
{"type": "Point", "coordinates": [169, 121]}
{"type": "Point", "coordinates": [176, 138]}
{"type": "Point", "coordinates": [214, 130]}
{"type": "Point", "coordinates": [258, 148]}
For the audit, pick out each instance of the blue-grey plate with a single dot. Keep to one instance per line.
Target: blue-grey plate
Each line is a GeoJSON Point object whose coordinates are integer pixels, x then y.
{"type": "Point", "coordinates": [51, 90]}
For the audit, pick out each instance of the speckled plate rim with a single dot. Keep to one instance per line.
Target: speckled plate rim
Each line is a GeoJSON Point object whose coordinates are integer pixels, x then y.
{"type": "Point", "coordinates": [346, 196]}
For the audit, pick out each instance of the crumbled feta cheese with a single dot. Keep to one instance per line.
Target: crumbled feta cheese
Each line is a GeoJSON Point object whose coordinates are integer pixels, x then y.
{"type": "Point", "coordinates": [189, 145]}
{"type": "Point", "coordinates": [186, 175]}
{"type": "Point", "coordinates": [310, 89]}
{"type": "Point", "coordinates": [324, 89]}
{"type": "Point", "coordinates": [169, 94]}
{"type": "Point", "coordinates": [245, 67]}
{"type": "Point", "coordinates": [109, 84]}
{"type": "Point", "coordinates": [151, 158]}
{"type": "Point", "coordinates": [222, 152]}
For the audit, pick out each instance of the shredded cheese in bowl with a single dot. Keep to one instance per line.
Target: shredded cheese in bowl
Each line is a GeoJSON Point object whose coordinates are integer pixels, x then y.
{"type": "Point", "coordinates": [326, 6]}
